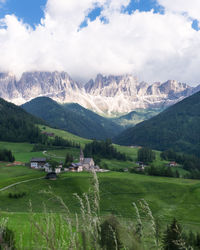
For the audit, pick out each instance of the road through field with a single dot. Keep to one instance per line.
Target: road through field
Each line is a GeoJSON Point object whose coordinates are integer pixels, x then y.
{"type": "Point", "coordinates": [17, 183]}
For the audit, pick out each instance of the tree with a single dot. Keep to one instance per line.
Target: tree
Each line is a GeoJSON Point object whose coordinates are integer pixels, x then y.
{"type": "Point", "coordinates": [172, 239]}
{"type": "Point", "coordinates": [198, 240]}
{"type": "Point", "coordinates": [177, 175]}
{"type": "Point", "coordinates": [191, 239]}
{"type": "Point", "coordinates": [68, 160]}
{"type": "Point", "coordinates": [146, 155]}
{"type": "Point", "coordinates": [6, 155]}
{"type": "Point", "coordinates": [53, 164]}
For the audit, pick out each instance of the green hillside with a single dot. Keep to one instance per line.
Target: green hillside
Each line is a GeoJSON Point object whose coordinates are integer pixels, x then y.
{"type": "Point", "coordinates": [72, 118]}
{"type": "Point", "coordinates": [16, 124]}
{"type": "Point", "coordinates": [117, 191]}
{"type": "Point", "coordinates": [178, 127]}
{"type": "Point", "coordinates": [135, 117]}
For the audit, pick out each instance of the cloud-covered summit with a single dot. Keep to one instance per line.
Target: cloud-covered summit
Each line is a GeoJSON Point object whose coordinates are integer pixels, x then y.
{"type": "Point", "coordinates": [154, 46]}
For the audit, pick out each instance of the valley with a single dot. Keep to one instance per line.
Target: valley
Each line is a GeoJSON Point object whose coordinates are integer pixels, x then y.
{"type": "Point", "coordinates": [167, 197]}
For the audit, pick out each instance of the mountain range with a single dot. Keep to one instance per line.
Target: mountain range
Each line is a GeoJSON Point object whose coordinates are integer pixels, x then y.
{"type": "Point", "coordinates": [106, 95]}
{"type": "Point", "coordinates": [177, 127]}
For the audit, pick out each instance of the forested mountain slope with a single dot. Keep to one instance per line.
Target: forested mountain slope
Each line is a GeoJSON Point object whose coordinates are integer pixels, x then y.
{"type": "Point", "coordinates": [16, 124]}
{"type": "Point", "coordinates": [177, 127]}
{"type": "Point", "coordinates": [72, 118]}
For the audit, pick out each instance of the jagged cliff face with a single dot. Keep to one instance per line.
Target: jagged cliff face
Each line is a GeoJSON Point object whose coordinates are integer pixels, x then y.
{"type": "Point", "coordinates": [125, 93]}
{"type": "Point", "coordinates": [106, 95]}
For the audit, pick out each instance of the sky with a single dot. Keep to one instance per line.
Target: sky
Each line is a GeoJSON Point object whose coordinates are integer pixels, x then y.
{"type": "Point", "coordinates": [155, 40]}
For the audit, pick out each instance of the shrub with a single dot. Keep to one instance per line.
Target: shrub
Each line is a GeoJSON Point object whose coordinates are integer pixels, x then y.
{"type": "Point", "coordinates": [110, 234]}
{"type": "Point", "coordinates": [7, 239]}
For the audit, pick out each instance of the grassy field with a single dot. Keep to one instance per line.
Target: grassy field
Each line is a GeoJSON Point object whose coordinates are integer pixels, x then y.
{"type": "Point", "coordinates": [65, 135]}
{"type": "Point", "coordinates": [13, 174]}
{"type": "Point", "coordinates": [167, 197]}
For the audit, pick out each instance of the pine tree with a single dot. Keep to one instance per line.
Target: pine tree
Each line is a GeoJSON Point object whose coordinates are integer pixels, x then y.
{"type": "Point", "coordinates": [146, 155]}
{"type": "Point", "coordinates": [172, 239]}
{"type": "Point", "coordinates": [68, 160]}
{"type": "Point", "coordinates": [198, 240]}
{"type": "Point", "coordinates": [191, 238]}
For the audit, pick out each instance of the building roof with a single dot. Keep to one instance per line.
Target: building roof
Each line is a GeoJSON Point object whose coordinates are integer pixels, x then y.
{"type": "Point", "coordinates": [47, 165]}
{"type": "Point", "coordinates": [51, 175]}
{"type": "Point", "coordinates": [38, 159]}
{"type": "Point", "coordinates": [87, 160]}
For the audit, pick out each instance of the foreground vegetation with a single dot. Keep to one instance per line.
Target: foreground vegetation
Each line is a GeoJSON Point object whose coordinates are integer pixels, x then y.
{"type": "Point", "coordinates": [117, 192]}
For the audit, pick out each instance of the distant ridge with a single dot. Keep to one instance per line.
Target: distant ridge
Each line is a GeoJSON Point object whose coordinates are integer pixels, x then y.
{"type": "Point", "coordinates": [178, 127]}
{"type": "Point", "coordinates": [72, 118]}
{"type": "Point", "coordinates": [106, 95]}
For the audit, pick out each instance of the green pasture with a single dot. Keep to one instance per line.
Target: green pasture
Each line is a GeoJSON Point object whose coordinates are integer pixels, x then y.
{"type": "Point", "coordinates": [13, 174]}
{"type": "Point", "coordinates": [167, 197]}
{"type": "Point", "coordinates": [65, 135]}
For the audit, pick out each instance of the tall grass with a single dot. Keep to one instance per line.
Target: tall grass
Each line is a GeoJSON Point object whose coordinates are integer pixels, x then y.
{"type": "Point", "coordinates": [84, 231]}
{"type": "Point", "coordinates": [68, 230]}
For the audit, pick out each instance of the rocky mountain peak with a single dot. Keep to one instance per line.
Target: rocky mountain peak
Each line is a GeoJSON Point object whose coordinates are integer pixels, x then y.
{"type": "Point", "coordinates": [172, 86]}
{"type": "Point", "coordinates": [105, 94]}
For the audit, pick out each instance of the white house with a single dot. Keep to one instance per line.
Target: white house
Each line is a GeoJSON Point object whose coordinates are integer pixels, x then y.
{"type": "Point", "coordinates": [37, 163]}
{"type": "Point", "coordinates": [47, 168]}
{"type": "Point", "coordinates": [57, 170]}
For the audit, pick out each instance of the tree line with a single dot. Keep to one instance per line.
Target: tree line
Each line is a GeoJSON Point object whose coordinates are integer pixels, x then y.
{"type": "Point", "coordinates": [104, 149]}
{"type": "Point", "coordinates": [58, 142]}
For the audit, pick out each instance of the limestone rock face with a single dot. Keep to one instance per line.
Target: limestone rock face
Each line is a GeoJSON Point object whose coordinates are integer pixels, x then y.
{"type": "Point", "coordinates": [108, 95]}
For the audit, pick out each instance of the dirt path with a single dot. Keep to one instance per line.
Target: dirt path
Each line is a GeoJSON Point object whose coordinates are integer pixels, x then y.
{"type": "Point", "coordinates": [52, 155]}
{"type": "Point", "coordinates": [17, 183]}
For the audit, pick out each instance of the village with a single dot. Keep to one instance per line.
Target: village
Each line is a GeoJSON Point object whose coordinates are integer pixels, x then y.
{"type": "Point", "coordinates": [84, 164]}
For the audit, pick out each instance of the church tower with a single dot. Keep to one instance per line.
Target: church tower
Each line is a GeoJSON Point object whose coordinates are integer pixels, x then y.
{"type": "Point", "coordinates": [81, 156]}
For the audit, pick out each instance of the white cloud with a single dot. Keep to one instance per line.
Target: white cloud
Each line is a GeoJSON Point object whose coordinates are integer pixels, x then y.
{"type": "Point", "coordinates": [152, 46]}
{"type": "Point", "coordinates": [190, 8]}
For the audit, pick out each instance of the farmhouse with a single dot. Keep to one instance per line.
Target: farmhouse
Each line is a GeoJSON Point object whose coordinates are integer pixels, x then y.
{"type": "Point", "coordinates": [48, 134]}
{"type": "Point", "coordinates": [38, 163]}
{"type": "Point", "coordinates": [47, 168]}
{"type": "Point", "coordinates": [172, 164]}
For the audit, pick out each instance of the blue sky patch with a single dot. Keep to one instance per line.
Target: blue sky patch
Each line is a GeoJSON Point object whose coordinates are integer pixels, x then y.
{"type": "Point", "coordinates": [30, 11]}
{"type": "Point", "coordinates": [195, 25]}
{"type": "Point", "coordinates": [144, 5]}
